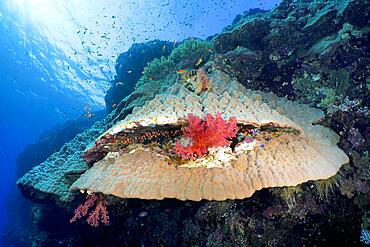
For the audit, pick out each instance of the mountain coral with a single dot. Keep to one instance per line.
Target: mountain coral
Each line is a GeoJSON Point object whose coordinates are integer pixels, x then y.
{"type": "Point", "coordinates": [205, 133]}
{"type": "Point", "coordinates": [100, 212]}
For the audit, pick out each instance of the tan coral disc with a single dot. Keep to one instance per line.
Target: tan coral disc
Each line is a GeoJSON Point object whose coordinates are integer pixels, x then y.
{"type": "Point", "coordinates": [308, 153]}
{"type": "Point", "coordinates": [285, 161]}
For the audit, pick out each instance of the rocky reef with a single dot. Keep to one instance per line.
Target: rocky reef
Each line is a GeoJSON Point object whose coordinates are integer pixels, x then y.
{"type": "Point", "coordinates": [313, 52]}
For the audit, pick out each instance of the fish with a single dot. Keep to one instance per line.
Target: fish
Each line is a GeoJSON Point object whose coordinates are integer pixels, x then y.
{"type": "Point", "coordinates": [143, 214]}
{"type": "Point", "coordinates": [129, 72]}
{"type": "Point", "coordinates": [88, 115]}
{"type": "Point", "coordinates": [181, 71]}
{"type": "Point", "coordinates": [200, 60]}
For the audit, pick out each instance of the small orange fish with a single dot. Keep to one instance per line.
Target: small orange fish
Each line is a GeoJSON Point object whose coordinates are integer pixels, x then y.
{"type": "Point", "coordinates": [181, 71]}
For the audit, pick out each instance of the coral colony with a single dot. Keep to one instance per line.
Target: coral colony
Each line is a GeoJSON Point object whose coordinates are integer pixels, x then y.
{"type": "Point", "coordinates": [203, 134]}
{"type": "Point", "coordinates": [161, 151]}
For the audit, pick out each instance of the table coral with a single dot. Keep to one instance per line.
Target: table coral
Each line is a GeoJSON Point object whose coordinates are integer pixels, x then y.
{"type": "Point", "coordinates": [277, 145]}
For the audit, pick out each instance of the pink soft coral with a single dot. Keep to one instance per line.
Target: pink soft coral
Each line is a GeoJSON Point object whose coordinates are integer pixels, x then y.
{"type": "Point", "coordinates": [205, 133]}
{"type": "Point", "coordinates": [100, 212]}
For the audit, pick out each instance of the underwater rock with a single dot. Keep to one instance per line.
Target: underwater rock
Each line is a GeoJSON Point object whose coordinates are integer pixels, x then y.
{"type": "Point", "coordinates": [146, 172]}
{"type": "Point", "coordinates": [129, 68]}
{"type": "Point", "coordinates": [340, 68]}
{"type": "Point", "coordinates": [284, 40]}
{"type": "Point", "coordinates": [252, 63]}
{"type": "Point", "coordinates": [247, 32]}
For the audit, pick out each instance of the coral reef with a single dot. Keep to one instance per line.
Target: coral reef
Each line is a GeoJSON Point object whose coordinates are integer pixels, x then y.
{"type": "Point", "coordinates": [365, 231]}
{"type": "Point", "coordinates": [299, 51]}
{"type": "Point", "coordinates": [157, 69]}
{"type": "Point", "coordinates": [129, 68]}
{"type": "Point", "coordinates": [315, 52]}
{"type": "Point", "coordinates": [192, 53]}
{"type": "Point", "coordinates": [282, 139]}
{"type": "Point", "coordinates": [152, 61]}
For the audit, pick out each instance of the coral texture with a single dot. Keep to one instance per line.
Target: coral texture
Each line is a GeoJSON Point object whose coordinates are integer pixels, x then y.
{"type": "Point", "coordinates": [294, 51]}
{"type": "Point", "coordinates": [192, 53]}
{"type": "Point", "coordinates": [206, 133]}
{"type": "Point", "coordinates": [305, 150]}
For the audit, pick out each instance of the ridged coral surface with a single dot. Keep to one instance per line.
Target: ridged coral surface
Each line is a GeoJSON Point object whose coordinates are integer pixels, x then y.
{"type": "Point", "coordinates": [287, 160]}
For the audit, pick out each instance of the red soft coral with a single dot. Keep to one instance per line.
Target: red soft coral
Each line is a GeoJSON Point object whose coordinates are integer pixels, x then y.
{"type": "Point", "coordinates": [100, 212]}
{"type": "Point", "coordinates": [205, 133]}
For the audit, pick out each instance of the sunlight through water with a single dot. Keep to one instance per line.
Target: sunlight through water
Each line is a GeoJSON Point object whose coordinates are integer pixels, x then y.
{"type": "Point", "coordinates": [87, 36]}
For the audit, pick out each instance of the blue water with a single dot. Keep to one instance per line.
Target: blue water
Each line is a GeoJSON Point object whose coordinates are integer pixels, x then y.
{"type": "Point", "coordinates": [56, 57]}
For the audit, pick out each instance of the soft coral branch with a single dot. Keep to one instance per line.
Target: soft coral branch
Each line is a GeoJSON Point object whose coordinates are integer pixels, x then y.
{"type": "Point", "coordinates": [99, 214]}
{"type": "Point", "coordinates": [206, 133]}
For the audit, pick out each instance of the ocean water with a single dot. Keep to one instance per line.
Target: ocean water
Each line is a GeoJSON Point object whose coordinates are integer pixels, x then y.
{"type": "Point", "coordinates": [78, 66]}
{"type": "Point", "coordinates": [58, 57]}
